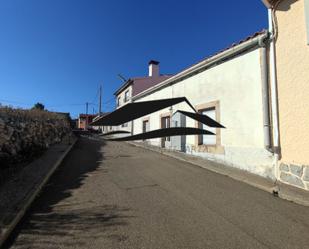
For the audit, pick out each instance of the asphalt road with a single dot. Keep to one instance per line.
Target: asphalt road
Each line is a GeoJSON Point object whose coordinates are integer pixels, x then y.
{"type": "Point", "coordinates": [119, 196]}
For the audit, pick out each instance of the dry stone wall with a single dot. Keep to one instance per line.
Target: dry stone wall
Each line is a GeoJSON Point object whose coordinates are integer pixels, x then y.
{"type": "Point", "coordinates": [23, 133]}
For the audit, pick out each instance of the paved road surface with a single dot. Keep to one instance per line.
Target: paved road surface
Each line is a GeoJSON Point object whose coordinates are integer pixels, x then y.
{"type": "Point", "coordinates": [119, 196]}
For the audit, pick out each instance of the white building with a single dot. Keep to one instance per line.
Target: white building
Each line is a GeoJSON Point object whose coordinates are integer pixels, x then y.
{"type": "Point", "coordinates": [231, 87]}
{"type": "Point", "coordinates": [136, 85]}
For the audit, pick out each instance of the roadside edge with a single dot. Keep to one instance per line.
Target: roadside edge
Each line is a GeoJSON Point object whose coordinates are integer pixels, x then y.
{"type": "Point", "coordinates": [280, 189]}
{"type": "Point", "coordinates": [28, 202]}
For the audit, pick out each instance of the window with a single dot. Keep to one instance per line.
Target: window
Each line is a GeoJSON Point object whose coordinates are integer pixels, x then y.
{"type": "Point", "coordinates": [124, 125]}
{"type": "Point", "coordinates": [118, 101]}
{"type": "Point", "coordinates": [146, 126]}
{"type": "Point", "coordinates": [208, 139]}
{"type": "Point", "coordinates": [126, 96]}
{"type": "Point", "coordinates": [165, 123]}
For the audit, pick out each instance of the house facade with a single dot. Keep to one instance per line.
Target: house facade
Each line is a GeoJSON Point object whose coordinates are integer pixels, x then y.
{"type": "Point", "coordinates": [289, 20]}
{"type": "Point", "coordinates": [230, 87]}
{"type": "Point", "coordinates": [256, 88]}
{"type": "Point", "coordinates": [136, 85]}
{"type": "Point", "coordinates": [123, 97]}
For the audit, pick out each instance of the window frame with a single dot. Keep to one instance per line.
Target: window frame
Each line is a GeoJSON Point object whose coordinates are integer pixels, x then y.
{"type": "Point", "coordinates": [215, 148]}
{"type": "Point", "coordinates": [118, 101]}
{"type": "Point", "coordinates": [145, 120]}
{"type": "Point", "coordinates": [165, 116]}
{"type": "Point", "coordinates": [200, 126]}
{"type": "Point", "coordinates": [126, 96]}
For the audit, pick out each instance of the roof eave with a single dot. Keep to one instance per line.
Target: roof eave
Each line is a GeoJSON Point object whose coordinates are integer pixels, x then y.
{"type": "Point", "coordinates": [240, 48]}
{"type": "Point", "coordinates": [124, 86]}
{"type": "Point", "coordinates": [269, 3]}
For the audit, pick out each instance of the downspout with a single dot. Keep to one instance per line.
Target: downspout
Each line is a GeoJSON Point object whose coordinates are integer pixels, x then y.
{"type": "Point", "coordinates": [265, 96]}
{"type": "Point", "coordinates": [273, 89]}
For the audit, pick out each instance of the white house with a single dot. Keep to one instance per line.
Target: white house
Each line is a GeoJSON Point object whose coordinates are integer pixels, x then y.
{"type": "Point", "coordinates": [231, 87]}
{"type": "Point", "coordinates": [136, 85]}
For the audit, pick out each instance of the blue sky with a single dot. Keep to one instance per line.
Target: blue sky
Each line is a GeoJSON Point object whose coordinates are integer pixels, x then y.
{"type": "Point", "coordinates": [58, 51]}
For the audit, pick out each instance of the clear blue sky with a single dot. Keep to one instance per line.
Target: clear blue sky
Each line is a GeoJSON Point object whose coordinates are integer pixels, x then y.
{"type": "Point", "coordinates": [58, 51]}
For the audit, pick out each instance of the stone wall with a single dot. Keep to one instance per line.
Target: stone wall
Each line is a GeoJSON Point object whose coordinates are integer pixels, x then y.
{"type": "Point", "coordinates": [296, 175]}
{"type": "Point", "coordinates": [24, 133]}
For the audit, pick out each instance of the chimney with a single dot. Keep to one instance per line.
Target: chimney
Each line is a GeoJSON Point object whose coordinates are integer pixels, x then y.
{"type": "Point", "coordinates": [153, 68]}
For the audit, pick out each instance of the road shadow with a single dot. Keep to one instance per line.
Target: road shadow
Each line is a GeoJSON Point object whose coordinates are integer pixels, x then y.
{"type": "Point", "coordinates": [69, 224]}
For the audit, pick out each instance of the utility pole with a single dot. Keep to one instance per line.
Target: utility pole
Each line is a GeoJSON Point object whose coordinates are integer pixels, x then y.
{"type": "Point", "coordinates": [100, 100]}
{"type": "Point", "coordinates": [86, 123]}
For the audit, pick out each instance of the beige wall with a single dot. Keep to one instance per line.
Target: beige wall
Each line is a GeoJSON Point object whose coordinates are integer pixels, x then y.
{"type": "Point", "coordinates": [292, 55]}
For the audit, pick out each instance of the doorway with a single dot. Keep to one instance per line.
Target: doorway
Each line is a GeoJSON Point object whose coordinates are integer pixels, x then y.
{"type": "Point", "coordinates": [165, 123]}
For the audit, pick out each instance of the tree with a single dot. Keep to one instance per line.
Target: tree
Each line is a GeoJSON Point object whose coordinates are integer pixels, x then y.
{"type": "Point", "coordinates": [38, 106]}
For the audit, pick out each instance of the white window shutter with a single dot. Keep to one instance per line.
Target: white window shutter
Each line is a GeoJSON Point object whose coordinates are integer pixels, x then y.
{"type": "Point", "coordinates": [209, 139]}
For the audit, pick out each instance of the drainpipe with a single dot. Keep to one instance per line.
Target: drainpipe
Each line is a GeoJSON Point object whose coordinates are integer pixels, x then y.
{"type": "Point", "coordinates": [265, 97]}
{"type": "Point", "coordinates": [274, 97]}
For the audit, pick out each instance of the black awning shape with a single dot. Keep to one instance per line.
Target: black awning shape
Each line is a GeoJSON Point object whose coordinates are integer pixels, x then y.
{"type": "Point", "coordinates": [114, 132]}
{"type": "Point", "coordinates": [166, 132]}
{"type": "Point", "coordinates": [203, 119]}
{"type": "Point", "coordinates": [136, 110]}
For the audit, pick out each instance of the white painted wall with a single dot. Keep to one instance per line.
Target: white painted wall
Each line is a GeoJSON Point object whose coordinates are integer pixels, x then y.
{"type": "Point", "coordinates": [122, 103]}
{"type": "Point", "coordinates": [236, 84]}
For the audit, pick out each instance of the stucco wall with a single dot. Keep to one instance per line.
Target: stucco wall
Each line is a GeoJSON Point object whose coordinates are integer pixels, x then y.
{"type": "Point", "coordinates": [122, 95]}
{"type": "Point", "coordinates": [292, 53]}
{"type": "Point", "coordinates": [236, 86]}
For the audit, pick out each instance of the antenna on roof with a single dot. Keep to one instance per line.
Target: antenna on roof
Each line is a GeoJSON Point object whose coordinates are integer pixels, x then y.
{"type": "Point", "coordinates": [121, 77]}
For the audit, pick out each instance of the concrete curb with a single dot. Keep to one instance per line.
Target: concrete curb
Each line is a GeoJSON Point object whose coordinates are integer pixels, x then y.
{"type": "Point", "coordinates": [9, 228]}
{"type": "Point", "coordinates": [294, 194]}
{"type": "Point", "coordinates": [276, 188]}
{"type": "Point", "coordinates": [237, 174]}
